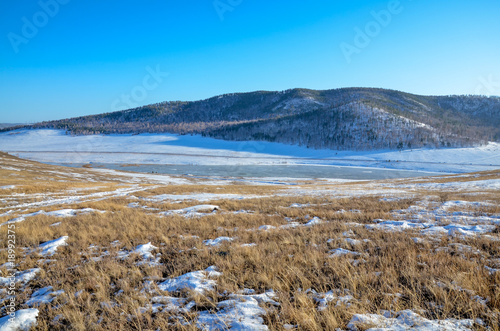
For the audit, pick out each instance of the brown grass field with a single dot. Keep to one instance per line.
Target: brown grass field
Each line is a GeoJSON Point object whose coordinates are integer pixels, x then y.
{"type": "Point", "coordinates": [439, 276]}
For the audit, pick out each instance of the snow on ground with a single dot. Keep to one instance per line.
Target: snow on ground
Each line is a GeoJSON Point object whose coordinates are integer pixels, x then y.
{"type": "Point", "coordinates": [197, 281]}
{"type": "Point", "coordinates": [43, 296]}
{"type": "Point", "coordinates": [55, 213]}
{"type": "Point", "coordinates": [23, 320]}
{"type": "Point", "coordinates": [47, 200]}
{"type": "Point", "coordinates": [7, 187]}
{"type": "Point", "coordinates": [406, 320]}
{"type": "Point", "coordinates": [341, 251]}
{"type": "Point", "coordinates": [21, 276]}
{"type": "Point", "coordinates": [441, 219]}
{"type": "Point", "coordinates": [172, 304]}
{"type": "Point", "coordinates": [314, 221]}
{"type": "Point", "coordinates": [341, 297]}
{"type": "Point", "coordinates": [291, 224]}
{"type": "Point", "coordinates": [431, 229]}
{"type": "Point", "coordinates": [200, 197]}
{"type": "Point", "coordinates": [187, 149]}
{"type": "Point", "coordinates": [144, 251]}
{"type": "Point", "coordinates": [353, 242]}
{"type": "Point", "coordinates": [240, 312]}
{"type": "Point", "coordinates": [266, 227]}
{"type": "Point", "coordinates": [133, 177]}
{"type": "Point", "coordinates": [194, 211]}
{"type": "Point", "coordinates": [469, 186]}
{"type": "Point", "coordinates": [217, 241]}
{"type": "Point", "coordinates": [49, 248]}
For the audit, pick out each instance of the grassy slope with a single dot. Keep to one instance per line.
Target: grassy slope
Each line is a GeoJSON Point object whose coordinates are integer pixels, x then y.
{"type": "Point", "coordinates": [286, 260]}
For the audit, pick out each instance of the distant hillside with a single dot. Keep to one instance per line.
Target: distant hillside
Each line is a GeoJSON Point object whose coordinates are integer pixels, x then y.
{"type": "Point", "coordinates": [351, 118]}
{"type": "Point", "coordinates": [9, 125]}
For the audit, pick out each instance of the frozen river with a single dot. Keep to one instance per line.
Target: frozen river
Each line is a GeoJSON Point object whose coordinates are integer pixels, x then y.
{"type": "Point", "coordinates": [264, 171]}
{"type": "Point", "coordinates": [201, 156]}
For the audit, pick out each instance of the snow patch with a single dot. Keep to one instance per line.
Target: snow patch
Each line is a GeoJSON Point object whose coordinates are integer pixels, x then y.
{"type": "Point", "coordinates": [405, 320]}
{"type": "Point", "coordinates": [197, 281]}
{"type": "Point", "coordinates": [24, 320]}
{"type": "Point", "coordinates": [217, 241]}
{"type": "Point", "coordinates": [7, 187]}
{"type": "Point", "coordinates": [55, 213]}
{"type": "Point", "coordinates": [266, 227]}
{"type": "Point", "coordinates": [194, 211]}
{"type": "Point", "coordinates": [49, 248]}
{"type": "Point", "coordinates": [341, 252]}
{"type": "Point", "coordinates": [240, 312]}
{"type": "Point", "coordinates": [21, 276]}
{"type": "Point", "coordinates": [43, 296]}
{"type": "Point", "coordinates": [314, 221]}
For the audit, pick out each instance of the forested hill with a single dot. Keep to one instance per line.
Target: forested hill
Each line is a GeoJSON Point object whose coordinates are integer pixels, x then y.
{"type": "Point", "coordinates": [350, 118]}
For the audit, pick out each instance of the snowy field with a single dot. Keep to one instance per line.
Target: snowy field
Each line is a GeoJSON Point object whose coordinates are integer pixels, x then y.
{"type": "Point", "coordinates": [110, 250]}
{"type": "Point", "coordinates": [55, 146]}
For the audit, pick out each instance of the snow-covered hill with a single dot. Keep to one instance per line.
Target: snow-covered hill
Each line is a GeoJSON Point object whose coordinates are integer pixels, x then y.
{"type": "Point", "coordinates": [343, 119]}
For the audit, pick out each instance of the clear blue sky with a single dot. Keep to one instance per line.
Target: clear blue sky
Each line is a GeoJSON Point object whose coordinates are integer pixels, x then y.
{"type": "Point", "coordinates": [86, 57]}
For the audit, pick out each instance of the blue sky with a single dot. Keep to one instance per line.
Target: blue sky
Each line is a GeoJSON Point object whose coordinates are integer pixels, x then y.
{"type": "Point", "coordinates": [88, 57]}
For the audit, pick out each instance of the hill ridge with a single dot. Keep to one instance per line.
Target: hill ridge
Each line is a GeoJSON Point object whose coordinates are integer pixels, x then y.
{"type": "Point", "coordinates": [346, 118]}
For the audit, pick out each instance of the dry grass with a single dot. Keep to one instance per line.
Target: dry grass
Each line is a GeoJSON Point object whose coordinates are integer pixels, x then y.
{"type": "Point", "coordinates": [392, 272]}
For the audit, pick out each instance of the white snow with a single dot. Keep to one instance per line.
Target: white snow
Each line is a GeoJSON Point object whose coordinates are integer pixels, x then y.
{"type": "Point", "coordinates": [200, 197]}
{"type": "Point", "coordinates": [340, 252]}
{"type": "Point", "coordinates": [432, 229]}
{"type": "Point", "coordinates": [55, 213]}
{"type": "Point", "coordinates": [197, 150]}
{"type": "Point", "coordinates": [194, 211]}
{"type": "Point", "coordinates": [290, 225]}
{"type": "Point", "coordinates": [464, 204]}
{"type": "Point", "coordinates": [314, 221]}
{"type": "Point", "coordinates": [197, 281]}
{"type": "Point", "coordinates": [7, 187]}
{"type": "Point", "coordinates": [460, 230]}
{"type": "Point", "coordinates": [240, 312]}
{"type": "Point", "coordinates": [468, 186]}
{"type": "Point", "coordinates": [446, 218]}
{"type": "Point", "coordinates": [24, 320]}
{"type": "Point", "coordinates": [353, 242]}
{"type": "Point", "coordinates": [266, 227]}
{"type": "Point", "coordinates": [324, 298]}
{"type": "Point", "coordinates": [43, 296]}
{"type": "Point", "coordinates": [71, 199]}
{"type": "Point", "coordinates": [145, 253]}
{"type": "Point", "coordinates": [394, 225]}
{"type": "Point", "coordinates": [49, 248]}
{"type": "Point", "coordinates": [145, 250]}
{"type": "Point", "coordinates": [21, 276]}
{"type": "Point", "coordinates": [71, 212]}
{"type": "Point", "coordinates": [172, 304]}
{"type": "Point", "coordinates": [217, 241]}
{"type": "Point", "coordinates": [406, 320]}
